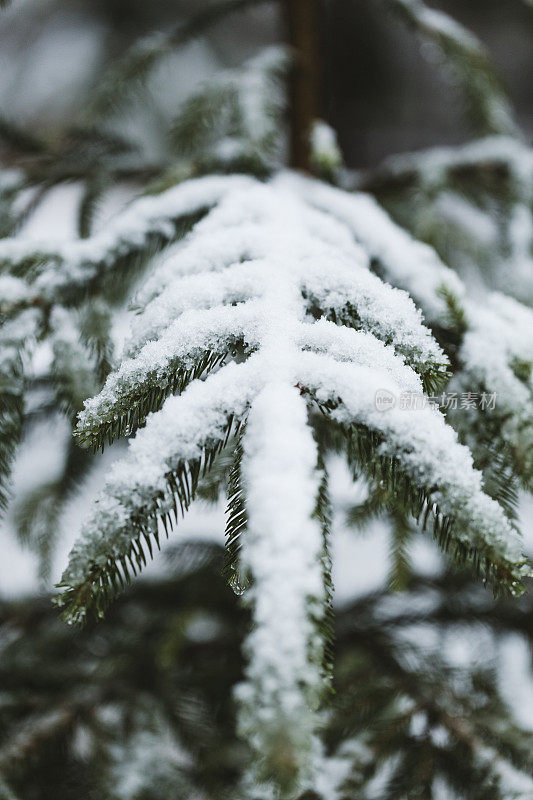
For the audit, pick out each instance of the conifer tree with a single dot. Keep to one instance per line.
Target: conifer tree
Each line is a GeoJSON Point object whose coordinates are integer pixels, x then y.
{"type": "Point", "coordinates": [281, 316]}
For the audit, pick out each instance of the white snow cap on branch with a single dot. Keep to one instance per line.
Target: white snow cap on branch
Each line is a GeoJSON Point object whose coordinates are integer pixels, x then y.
{"type": "Point", "coordinates": [498, 330]}
{"type": "Point", "coordinates": [282, 552]}
{"type": "Point", "coordinates": [404, 261]}
{"type": "Point", "coordinates": [433, 164]}
{"type": "Point", "coordinates": [78, 261]}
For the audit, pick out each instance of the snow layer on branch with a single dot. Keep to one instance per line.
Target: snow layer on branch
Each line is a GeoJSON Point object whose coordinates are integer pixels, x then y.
{"type": "Point", "coordinates": [493, 165]}
{"type": "Point", "coordinates": [497, 353]}
{"type": "Point", "coordinates": [78, 261]}
{"type": "Point", "coordinates": [424, 444]}
{"type": "Point", "coordinates": [182, 345]}
{"type": "Point", "coordinates": [236, 284]}
{"type": "Point", "coordinates": [433, 164]}
{"type": "Point", "coordinates": [225, 284]}
{"type": "Point", "coordinates": [201, 254]}
{"type": "Point", "coordinates": [404, 261]}
{"type": "Point", "coordinates": [12, 291]}
{"type": "Point", "coordinates": [503, 328]}
{"type": "Point", "coordinates": [329, 278]}
{"type": "Point", "coordinates": [498, 331]}
{"type": "Point", "coordinates": [220, 328]}
{"type": "Point", "coordinates": [177, 432]}
{"type": "Point", "coordinates": [234, 117]}
{"type": "Point", "coordinates": [259, 93]}
{"type": "Point", "coordinates": [282, 552]}
{"type": "Point", "coordinates": [18, 333]}
{"type": "Point", "coordinates": [73, 364]}
{"type": "Point", "coordinates": [440, 23]}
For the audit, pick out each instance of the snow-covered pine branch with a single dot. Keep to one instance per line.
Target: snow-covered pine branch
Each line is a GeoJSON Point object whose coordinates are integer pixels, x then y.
{"type": "Point", "coordinates": [271, 302]}
{"type": "Point", "coordinates": [492, 339]}
{"type": "Point", "coordinates": [132, 69]}
{"type": "Point", "coordinates": [16, 338]}
{"type": "Point", "coordinates": [60, 273]}
{"type": "Point", "coordinates": [41, 281]}
{"type": "Point", "coordinates": [71, 347]}
{"type": "Point", "coordinates": [233, 121]}
{"type": "Point", "coordinates": [473, 203]}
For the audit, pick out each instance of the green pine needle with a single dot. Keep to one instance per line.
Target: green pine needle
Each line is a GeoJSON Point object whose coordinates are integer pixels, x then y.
{"type": "Point", "coordinates": [11, 421]}
{"type": "Point", "coordinates": [93, 595]}
{"type": "Point", "coordinates": [326, 624]}
{"type": "Point", "coordinates": [130, 412]}
{"type": "Point", "coordinates": [362, 451]}
{"type": "Point", "coordinates": [434, 375]}
{"type": "Point", "coordinates": [236, 521]}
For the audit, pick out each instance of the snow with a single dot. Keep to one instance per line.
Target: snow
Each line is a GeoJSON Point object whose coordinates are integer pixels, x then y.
{"type": "Point", "coordinates": [325, 150]}
{"type": "Point", "coordinates": [405, 262]}
{"type": "Point", "coordinates": [467, 218]}
{"type": "Point", "coordinates": [499, 329]}
{"type": "Point", "coordinates": [425, 446]}
{"type": "Point", "coordinates": [12, 291]}
{"type": "Point", "coordinates": [484, 235]}
{"type": "Point", "coordinates": [235, 114]}
{"type": "Point", "coordinates": [434, 163]}
{"type": "Point", "coordinates": [237, 283]}
{"type": "Point", "coordinates": [258, 92]}
{"type": "Point", "coordinates": [282, 552]}
{"type": "Point", "coordinates": [77, 262]}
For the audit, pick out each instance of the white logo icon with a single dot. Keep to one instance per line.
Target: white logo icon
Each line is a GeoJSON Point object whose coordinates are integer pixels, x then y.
{"type": "Point", "coordinates": [384, 400]}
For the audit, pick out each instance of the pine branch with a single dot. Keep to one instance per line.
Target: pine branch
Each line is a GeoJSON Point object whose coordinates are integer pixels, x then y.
{"type": "Point", "coordinates": [151, 663]}
{"type": "Point", "coordinates": [107, 573]}
{"type": "Point", "coordinates": [419, 710]}
{"type": "Point", "coordinates": [16, 337]}
{"type": "Point", "coordinates": [401, 539]}
{"type": "Point", "coordinates": [472, 203]}
{"type": "Point", "coordinates": [363, 453]}
{"type": "Point", "coordinates": [37, 513]}
{"type": "Point", "coordinates": [232, 123]}
{"type": "Point", "coordinates": [11, 409]}
{"type": "Point", "coordinates": [464, 328]}
{"type": "Point", "coordinates": [326, 622]}
{"type": "Point", "coordinates": [21, 140]}
{"type": "Point", "coordinates": [246, 284]}
{"type": "Point", "coordinates": [131, 72]}
{"type": "Point", "coordinates": [130, 411]}
{"type": "Point", "coordinates": [103, 261]}
{"type": "Point", "coordinates": [434, 371]}
{"type": "Point", "coordinates": [486, 104]}
{"type": "Point", "coordinates": [6, 792]}
{"type": "Point", "coordinates": [95, 187]}
{"type": "Point", "coordinates": [236, 522]}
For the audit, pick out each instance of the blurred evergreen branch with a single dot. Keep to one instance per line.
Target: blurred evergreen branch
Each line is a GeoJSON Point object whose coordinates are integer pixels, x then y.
{"type": "Point", "coordinates": [168, 655]}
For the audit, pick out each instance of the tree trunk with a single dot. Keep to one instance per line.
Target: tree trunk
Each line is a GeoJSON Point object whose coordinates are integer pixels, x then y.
{"type": "Point", "coordinates": [303, 18]}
